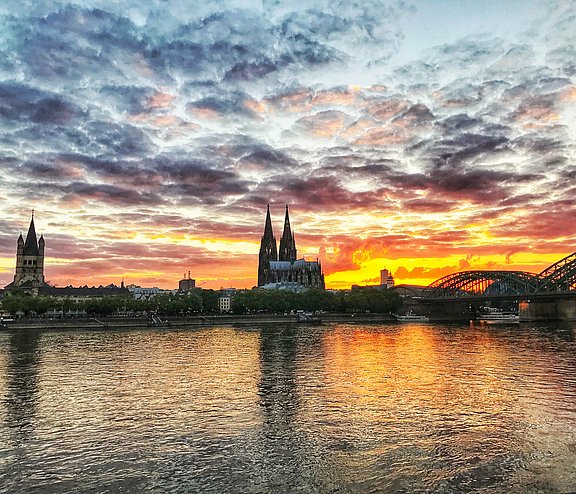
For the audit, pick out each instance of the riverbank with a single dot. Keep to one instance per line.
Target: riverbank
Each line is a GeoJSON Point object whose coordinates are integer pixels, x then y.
{"type": "Point", "coordinates": [183, 322]}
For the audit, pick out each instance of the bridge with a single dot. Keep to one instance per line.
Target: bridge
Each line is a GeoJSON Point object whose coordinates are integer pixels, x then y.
{"type": "Point", "coordinates": [541, 295]}
{"type": "Point", "coordinates": [559, 279]}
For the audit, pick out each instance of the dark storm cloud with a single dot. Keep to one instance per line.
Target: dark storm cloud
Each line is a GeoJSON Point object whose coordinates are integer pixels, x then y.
{"type": "Point", "coordinates": [24, 103]}
{"type": "Point", "coordinates": [75, 43]}
{"type": "Point", "coordinates": [459, 150]}
{"type": "Point", "coordinates": [428, 205]}
{"type": "Point", "coordinates": [538, 144]}
{"type": "Point", "coordinates": [416, 115]}
{"type": "Point", "coordinates": [127, 99]}
{"type": "Point", "coordinates": [459, 122]}
{"type": "Point", "coordinates": [233, 104]}
{"type": "Point", "coordinates": [268, 158]}
{"type": "Point", "coordinates": [49, 171]}
{"type": "Point", "coordinates": [310, 193]}
{"type": "Point", "coordinates": [108, 194]}
{"type": "Point", "coordinates": [235, 46]}
{"type": "Point", "coordinates": [116, 139]}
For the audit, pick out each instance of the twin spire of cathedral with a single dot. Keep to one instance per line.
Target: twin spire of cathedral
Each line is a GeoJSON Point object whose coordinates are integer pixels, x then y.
{"type": "Point", "coordinates": [280, 265]}
{"type": "Point", "coordinates": [287, 250]}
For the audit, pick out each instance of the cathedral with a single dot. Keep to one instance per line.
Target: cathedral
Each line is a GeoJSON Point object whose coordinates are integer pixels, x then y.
{"type": "Point", "coordinates": [29, 274]}
{"type": "Point", "coordinates": [281, 266]}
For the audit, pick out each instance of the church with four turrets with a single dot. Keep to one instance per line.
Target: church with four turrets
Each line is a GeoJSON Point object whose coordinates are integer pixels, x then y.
{"type": "Point", "coordinates": [29, 273]}
{"type": "Point", "coordinates": [282, 266]}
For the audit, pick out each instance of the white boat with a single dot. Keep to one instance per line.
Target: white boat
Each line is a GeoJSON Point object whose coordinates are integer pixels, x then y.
{"type": "Point", "coordinates": [411, 317]}
{"type": "Point", "coordinates": [495, 315]}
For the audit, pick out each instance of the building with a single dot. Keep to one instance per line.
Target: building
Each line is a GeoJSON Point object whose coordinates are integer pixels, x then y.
{"type": "Point", "coordinates": [282, 265]}
{"type": "Point", "coordinates": [29, 272]}
{"type": "Point", "coordinates": [225, 303]}
{"type": "Point", "coordinates": [287, 286]}
{"type": "Point", "coordinates": [83, 293]}
{"type": "Point", "coordinates": [386, 279]}
{"type": "Point", "coordinates": [143, 293]}
{"type": "Point", "coordinates": [186, 284]}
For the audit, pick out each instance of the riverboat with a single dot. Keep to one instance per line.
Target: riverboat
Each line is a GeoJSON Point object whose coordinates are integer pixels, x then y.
{"type": "Point", "coordinates": [411, 317]}
{"type": "Point", "coordinates": [493, 315]}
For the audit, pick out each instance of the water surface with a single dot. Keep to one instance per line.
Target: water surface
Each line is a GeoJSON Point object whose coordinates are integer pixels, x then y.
{"type": "Point", "coordinates": [336, 408]}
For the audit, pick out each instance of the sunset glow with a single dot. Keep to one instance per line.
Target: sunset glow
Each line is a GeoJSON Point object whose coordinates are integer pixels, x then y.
{"type": "Point", "coordinates": [421, 138]}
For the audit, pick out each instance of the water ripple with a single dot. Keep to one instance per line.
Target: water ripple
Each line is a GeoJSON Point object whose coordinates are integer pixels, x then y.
{"type": "Point", "coordinates": [338, 408]}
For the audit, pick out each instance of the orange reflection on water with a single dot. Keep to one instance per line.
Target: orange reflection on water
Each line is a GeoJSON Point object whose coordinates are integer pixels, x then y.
{"type": "Point", "coordinates": [415, 370]}
{"type": "Point", "coordinates": [368, 370]}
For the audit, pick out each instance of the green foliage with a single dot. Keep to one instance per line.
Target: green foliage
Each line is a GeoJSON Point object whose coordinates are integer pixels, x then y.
{"type": "Point", "coordinates": [259, 300]}
{"type": "Point", "coordinates": [244, 301]}
{"type": "Point", "coordinates": [209, 299]}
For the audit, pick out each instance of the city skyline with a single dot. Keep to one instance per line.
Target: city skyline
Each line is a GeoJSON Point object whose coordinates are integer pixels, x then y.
{"type": "Point", "coordinates": [424, 138]}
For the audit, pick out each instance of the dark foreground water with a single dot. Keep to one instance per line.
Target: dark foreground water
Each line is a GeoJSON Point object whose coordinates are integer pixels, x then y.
{"type": "Point", "coordinates": [337, 408]}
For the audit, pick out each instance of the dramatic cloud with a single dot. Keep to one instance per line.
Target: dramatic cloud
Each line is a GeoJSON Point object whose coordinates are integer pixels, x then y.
{"type": "Point", "coordinates": [149, 137]}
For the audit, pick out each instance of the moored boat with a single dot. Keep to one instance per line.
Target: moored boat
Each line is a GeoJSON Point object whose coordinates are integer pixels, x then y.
{"type": "Point", "coordinates": [308, 318]}
{"type": "Point", "coordinates": [411, 317]}
{"type": "Point", "coordinates": [494, 315]}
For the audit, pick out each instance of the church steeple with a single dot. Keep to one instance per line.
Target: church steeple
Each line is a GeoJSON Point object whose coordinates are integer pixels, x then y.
{"type": "Point", "coordinates": [31, 244]}
{"type": "Point", "coordinates": [287, 251]}
{"type": "Point", "coordinates": [29, 272]}
{"type": "Point", "coordinates": [268, 251]}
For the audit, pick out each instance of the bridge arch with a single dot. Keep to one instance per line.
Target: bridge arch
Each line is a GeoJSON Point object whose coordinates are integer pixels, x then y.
{"type": "Point", "coordinates": [560, 276]}
{"type": "Point", "coordinates": [482, 283]}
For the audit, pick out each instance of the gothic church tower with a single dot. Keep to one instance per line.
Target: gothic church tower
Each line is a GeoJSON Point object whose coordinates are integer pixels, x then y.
{"type": "Point", "coordinates": [29, 272]}
{"type": "Point", "coordinates": [267, 251]}
{"type": "Point", "coordinates": [287, 250]}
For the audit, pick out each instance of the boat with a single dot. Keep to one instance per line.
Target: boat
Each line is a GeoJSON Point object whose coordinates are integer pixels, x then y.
{"type": "Point", "coordinates": [4, 321]}
{"type": "Point", "coordinates": [411, 317]}
{"type": "Point", "coordinates": [308, 318]}
{"type": "Point", "coordinates": [492, 315]}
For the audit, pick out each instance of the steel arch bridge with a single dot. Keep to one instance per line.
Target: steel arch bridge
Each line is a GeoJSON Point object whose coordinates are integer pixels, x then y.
{"type": "Point", "coordinates": [559, 277]}
{"type": "Point", "coordinates": [482, 284]}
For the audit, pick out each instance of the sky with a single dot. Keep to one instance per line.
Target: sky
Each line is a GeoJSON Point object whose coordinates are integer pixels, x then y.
{"type": "Point", "coordinates": [422, 137]}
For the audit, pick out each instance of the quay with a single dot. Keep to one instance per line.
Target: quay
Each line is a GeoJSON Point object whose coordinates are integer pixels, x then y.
{"type": "Point", "coordinates": [117, 323]}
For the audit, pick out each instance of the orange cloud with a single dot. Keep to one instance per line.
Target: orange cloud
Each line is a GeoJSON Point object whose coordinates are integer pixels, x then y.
{"type": "Point", "coordinates": [324, 124]}
{"type": "Point", "coordinates": [385, 110]}
{"type": "Point", "coordinates": [336, 98]}
{"type": "Point", "coordinates": [160, 100]}
{"type": "Point", "coordinates": [382, 137]}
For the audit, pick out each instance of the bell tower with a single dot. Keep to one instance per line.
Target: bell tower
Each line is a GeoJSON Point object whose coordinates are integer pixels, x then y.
{"type": "Point", "coordinates": [29, 273]}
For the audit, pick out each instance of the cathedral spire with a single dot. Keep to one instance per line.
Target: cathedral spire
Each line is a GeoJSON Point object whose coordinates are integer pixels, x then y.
{"type": "Point", "coordinates": [268, 251]}
{"type": "Point", "coordinates": [268, 225]}
{"type": "Point", "coordinates": [287, 250]}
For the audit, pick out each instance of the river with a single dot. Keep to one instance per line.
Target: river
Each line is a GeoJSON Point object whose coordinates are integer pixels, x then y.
{"type": "Point", "coordinates": [335, 408]}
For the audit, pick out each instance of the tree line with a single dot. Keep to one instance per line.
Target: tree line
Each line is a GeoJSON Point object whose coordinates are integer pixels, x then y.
{"type": "Point", "coordinates": [364, 300]}
{"type": "Point", "coordinates": [201, 301]}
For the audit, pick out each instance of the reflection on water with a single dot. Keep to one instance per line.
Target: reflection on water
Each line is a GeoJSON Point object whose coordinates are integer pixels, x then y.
{"type": "Point", "coordinates": [20, 387]}
{"type": "Point", "coordinates": [337, 408]}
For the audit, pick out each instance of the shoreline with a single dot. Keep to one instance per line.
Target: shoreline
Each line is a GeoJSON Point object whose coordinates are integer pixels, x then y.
{"type": "Point", "coordinates": [113, 323]}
